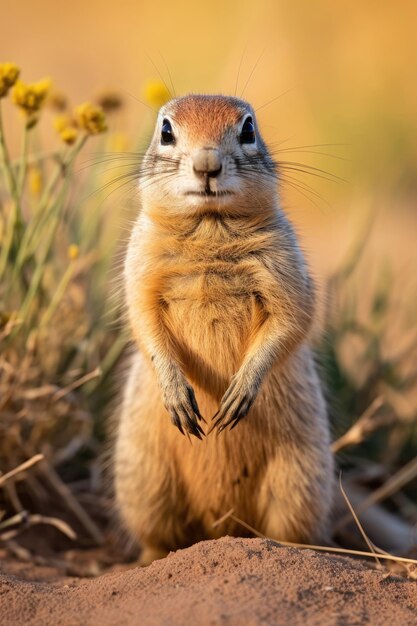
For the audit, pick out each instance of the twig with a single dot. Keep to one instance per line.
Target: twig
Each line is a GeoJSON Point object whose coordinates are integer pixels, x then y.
{"type": "Point", "coordinates": [31, 520]}
{"type": "Point", "coordinates": [21, 468]}
{"type": "Point", "coordinates": [362, 427]}
{"type": "Point", "coordinates": [10, 488]}
{"type": "Point", "coordinates": [65, 493]}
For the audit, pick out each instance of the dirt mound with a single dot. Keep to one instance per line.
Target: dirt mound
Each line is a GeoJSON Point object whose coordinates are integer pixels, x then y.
{"type": "Point", "coordinates": [241, 582]}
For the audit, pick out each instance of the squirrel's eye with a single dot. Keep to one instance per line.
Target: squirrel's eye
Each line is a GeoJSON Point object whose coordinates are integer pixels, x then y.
{"type": "Point", "coordinates": [166, 133]}
{"type": "Point", "coordinates": [247, 134]}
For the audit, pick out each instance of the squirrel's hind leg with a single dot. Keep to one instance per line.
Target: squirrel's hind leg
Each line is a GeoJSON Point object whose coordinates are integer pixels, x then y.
{"type": "Point", "coordinates": [148, 489]}
{"type": "Point", "coordinates": [295, 495]}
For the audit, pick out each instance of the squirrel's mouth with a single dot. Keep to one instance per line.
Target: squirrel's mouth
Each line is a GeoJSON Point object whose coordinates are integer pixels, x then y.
{"type": "Point", "coordinates": [209, 193]}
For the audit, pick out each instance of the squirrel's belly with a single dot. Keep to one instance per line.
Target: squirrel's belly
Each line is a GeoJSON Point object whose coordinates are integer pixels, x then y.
{"type": "Point", "coordinates": [211, 324]}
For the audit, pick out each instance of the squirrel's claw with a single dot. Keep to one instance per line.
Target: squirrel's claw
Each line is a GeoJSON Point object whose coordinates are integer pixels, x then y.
{"type": "Point", "coordinates": [234, 406]}
{"type": "Point", "coordinates": [185, 413]}
{"type": "Point", "coordinates": [191, 424]}
{"type": "Point", "coordinates": [176, 421]}
{"type": "Point", "coordinates": [194, 404]}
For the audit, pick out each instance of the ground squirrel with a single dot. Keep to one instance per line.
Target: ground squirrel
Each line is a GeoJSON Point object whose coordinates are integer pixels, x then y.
{"type": "Point", "coordinates": [220, 302]}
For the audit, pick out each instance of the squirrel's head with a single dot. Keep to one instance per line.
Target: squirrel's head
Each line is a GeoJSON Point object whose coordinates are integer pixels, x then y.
{"type": "Point", "coordinates": [207, 152]}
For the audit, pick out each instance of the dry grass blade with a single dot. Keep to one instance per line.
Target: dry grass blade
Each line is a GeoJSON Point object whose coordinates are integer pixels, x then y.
{"type": "Point", "coordinates": [370, 555]}
{"type": "Point", "coordinates": [395, 483]}
{"type": "Point", "coordinates": [230, 515]}
{"type": "Point", "coordinates": [77, 383]}
{"type": "Point", "coordinates": [9, 327]}
{"type": "Point", "coordinates": [304, 546]}
{"type": "Point", "coordinates": [58, 394]}
{"type": "Point", "coordinates": [31, 520]}
{"type": "Point", "coordinates": [39, 392]}
{"type": "Point", "coordinates": [54, 521]}
{"type": "Point", "coordinates": [21, 468]}
{"type": "Point", "coordinates": [406, 567]}
{"type": "Point", "coordinates": [364, 426]}
{"type": "Point", "coordinates": [355, 517]}
{"type": "Point", "coordinates": [13, 521]}
{"type": "Point", "coordinates": [223, 518]}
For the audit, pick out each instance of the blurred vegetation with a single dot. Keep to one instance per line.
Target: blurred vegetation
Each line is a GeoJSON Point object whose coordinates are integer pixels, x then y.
{"type": "Point", "coordinates": [59, 337]}
{"type": "Point", "coordinates": [367, 356]}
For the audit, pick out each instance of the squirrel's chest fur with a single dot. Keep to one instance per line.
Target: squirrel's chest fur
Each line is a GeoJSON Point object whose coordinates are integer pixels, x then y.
{"type": "Point", "coordinates": [212, 311]}
{"type": "Point", "coordinates": [207, 283]}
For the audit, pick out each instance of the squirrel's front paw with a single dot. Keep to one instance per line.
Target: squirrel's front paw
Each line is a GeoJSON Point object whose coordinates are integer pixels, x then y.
{"type": "Point", "coordinates": [180, 402]}
{"type": "Point", "coordinates": [235, 404]}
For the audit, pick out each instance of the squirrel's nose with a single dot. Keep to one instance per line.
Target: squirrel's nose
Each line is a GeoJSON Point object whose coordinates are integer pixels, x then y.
{"type": "Point", "coordinates": [207, 162]}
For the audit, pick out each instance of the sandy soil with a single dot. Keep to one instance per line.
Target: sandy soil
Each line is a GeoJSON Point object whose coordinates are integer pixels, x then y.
{"type": "Point", "coordinates": [243, 582]}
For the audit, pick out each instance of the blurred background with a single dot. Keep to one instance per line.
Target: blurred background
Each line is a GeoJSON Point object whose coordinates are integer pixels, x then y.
{"type": "Point", "coordinates": [343, 75]}
{"type": "Point", "coordinates": [346, 72]}
{"type": "Point", "coordinates": [335, 89]}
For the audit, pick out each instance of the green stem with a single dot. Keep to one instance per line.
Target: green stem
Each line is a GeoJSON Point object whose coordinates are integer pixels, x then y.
{"type": "Point", "coordinates": [47, 243]}
{"type": "Point", "coordinates": [109, 360]}
{"type": "Point", "coordinates": [15, 218]}
{"type": "Point", "coordinates": [58, 295]}
{"type": "Point", "coordinates": [38, 274]}
{"type": "Point", "coordinates": [34, 158]}
{"type": "Point", "coordinates": [43, 214]}
{"type": "Point", "coordinates": [6, 244]}
{"type": "Point", "coordinates": [4, 153]}
{"type": "Point", "coordinates": [62, 167]}
{"type": "Point", "coordinates": [23, 163]}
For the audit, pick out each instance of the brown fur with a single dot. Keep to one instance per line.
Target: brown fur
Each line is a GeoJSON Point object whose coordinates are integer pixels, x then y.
{"type": "Point", "coordinates": [220, 299]}
{"type": "Point", "coordinates": [207, 122]}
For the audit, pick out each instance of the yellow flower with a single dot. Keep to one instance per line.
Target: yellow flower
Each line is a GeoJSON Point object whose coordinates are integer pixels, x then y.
{"type": "Point", "coordinates": [73, 252]}
{"type": "Point", "coordinates": [31, 97]}
{"type": "Point", "coordinates": [66, 127]}
{"type": "Point", "coordinates": [61, 122]}
{"type": "Point", "coordinates": [69, 135]}
{"type": "Point", "coordinates": [9, 73]}
{"type": "Point", "coordinates": [35, 181]}
{"type": "Point", "coordinates": [156, 93]}
{"type": "Point", "coordinates": [91, 118]}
